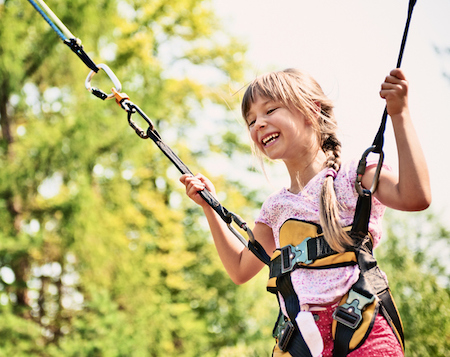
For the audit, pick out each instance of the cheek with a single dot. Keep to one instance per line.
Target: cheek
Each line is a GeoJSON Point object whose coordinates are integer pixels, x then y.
{"type": "Point", "coordinates": [254, 136]}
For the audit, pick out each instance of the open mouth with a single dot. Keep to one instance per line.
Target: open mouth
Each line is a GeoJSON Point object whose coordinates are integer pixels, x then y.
{"type": "Point", "coordinates": [268, 139]}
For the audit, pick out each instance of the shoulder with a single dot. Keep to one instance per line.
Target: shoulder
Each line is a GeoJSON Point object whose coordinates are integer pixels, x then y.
{"type": "Point", "coordinates": [345, 180]}
{"type": "Point", "coordinates": [272, 206]}
{"type": "Point", "coordinates": [348, 169]}
{"type": "Point", "coordinates": [275, 197]}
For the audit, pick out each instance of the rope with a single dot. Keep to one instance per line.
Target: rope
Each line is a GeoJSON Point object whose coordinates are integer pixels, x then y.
{"type": "Point", "coordinates": [54, 22]}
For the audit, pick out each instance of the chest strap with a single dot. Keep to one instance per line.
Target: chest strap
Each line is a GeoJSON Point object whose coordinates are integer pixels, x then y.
{"type": "Point", "coordinates": [304, 246]}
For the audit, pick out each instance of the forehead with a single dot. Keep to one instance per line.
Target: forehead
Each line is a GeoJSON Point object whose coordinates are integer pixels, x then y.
{"type": "Point", "coordinates": [254, 101]}
{"type": "Point", "coordinates": [259, 103]}
{"type": "Point", "coordinates": [260, 100]}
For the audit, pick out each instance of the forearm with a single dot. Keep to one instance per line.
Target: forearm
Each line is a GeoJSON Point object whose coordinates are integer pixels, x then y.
{"type": "Point", "coordinates": [410, 190]}
{"type": "Point", "coordinates": [413, 179]}
{"type": "Point", "coordinates": [240, 264]}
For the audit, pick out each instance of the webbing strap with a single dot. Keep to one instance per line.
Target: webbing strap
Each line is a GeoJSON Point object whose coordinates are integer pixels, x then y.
{"type": "Point", "coordinates": [284, 285]}
{"type": "Point", "coordinates": [343, 337]}
{"type": "Point", "coordinates": [371, 282]}
{"type": "Point", "coordinates": [379, 138]}
{"type": "Point", "coordinates": [257, 249]}
{"type": "Point", "coordinates": [342, 340]}
{"type": "Point", "coordinates": [362, 213]}
{"type": "Point", "coordinates": [316, 248]}
{"type": "Point", "coordinates": [180, 165]}
{"type": "Point", "coordinates": [390, 312]}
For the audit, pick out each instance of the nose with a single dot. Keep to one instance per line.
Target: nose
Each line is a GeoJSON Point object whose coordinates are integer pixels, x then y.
{"type": "Point", "coordinates": [260, 123]}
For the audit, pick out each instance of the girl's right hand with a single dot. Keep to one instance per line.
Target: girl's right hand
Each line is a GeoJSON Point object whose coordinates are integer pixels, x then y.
{"type": "Point", "coordinates": [197, 183]}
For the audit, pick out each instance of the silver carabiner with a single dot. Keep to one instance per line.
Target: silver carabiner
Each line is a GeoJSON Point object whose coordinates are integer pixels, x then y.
{"type": "Point", "coordinates": [111, 75]}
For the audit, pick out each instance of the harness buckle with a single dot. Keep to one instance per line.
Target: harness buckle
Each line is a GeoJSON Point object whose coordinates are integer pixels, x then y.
{"type": "Point", "coordinates": [350, 313]}
{"type": "Point", "coordinates": [290, 256]}
{"type": "Point", "coordinates": [283, 332]}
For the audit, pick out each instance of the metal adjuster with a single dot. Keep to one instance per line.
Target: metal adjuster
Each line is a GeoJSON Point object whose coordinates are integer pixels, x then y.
{"type": "Point", "coordinates": [283, 333]}
{"type": "Point", "coordinates": [290, 256]}
{"type": "Point", "coordinates": [350, 313]}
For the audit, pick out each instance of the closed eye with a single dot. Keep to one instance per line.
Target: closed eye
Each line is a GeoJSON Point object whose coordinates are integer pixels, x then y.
{"type": "Point", "coordinates": [251, 123]}
{"type": "Point", "coordinates": [270, 111]}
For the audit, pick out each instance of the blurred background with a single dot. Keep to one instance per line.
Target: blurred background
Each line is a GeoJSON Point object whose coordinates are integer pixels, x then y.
{"type": "Point", "coordinates": [101, 254]}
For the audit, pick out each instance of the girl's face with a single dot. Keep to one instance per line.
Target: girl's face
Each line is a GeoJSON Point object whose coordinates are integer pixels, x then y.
{"type": "Point", "coordinates": [279, 132]}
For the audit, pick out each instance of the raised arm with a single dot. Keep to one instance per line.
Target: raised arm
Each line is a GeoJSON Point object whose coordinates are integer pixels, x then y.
{"type": "Point", "coordinates": [239, 262]}
{"type": "Point", "coordinates": [410, 189]}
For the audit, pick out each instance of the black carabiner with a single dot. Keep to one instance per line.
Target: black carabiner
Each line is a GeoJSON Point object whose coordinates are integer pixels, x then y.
{"type": "Point", "coordinates": [362, 169]}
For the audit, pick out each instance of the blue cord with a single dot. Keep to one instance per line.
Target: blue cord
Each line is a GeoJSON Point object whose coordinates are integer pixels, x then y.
{"type": "Point", "coordinates": [49, 21]}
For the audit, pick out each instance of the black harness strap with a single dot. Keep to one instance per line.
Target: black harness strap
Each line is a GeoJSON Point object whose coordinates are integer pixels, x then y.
{"type": "Point", "coordinates": [371, 283]}
{"type": "Point", "coordinates": [297, 347]}
{"type": "Point", "coordinates": [390, 312]}
{"type": "Point", "coordinates": [370, 292]}
{"type": "Point", "coordinates": [379, 138]}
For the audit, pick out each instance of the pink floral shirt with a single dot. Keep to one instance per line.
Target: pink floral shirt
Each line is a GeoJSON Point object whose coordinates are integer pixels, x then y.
{"type": "Point", "coordinates": [320, 286]}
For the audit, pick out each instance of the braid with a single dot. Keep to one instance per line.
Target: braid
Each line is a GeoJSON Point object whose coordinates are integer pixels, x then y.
{"type": "Point", "coordinates": [332, 148]}
{"type": "Point", "coordinates": [335, 236]}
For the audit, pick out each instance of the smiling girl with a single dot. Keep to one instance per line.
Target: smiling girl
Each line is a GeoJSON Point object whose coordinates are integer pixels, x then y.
{"type": "Point", "coordinates": [290, 119]}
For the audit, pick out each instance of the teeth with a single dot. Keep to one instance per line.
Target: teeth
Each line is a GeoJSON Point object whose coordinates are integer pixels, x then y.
{"type": "Point", "coordinates": [270, 138]}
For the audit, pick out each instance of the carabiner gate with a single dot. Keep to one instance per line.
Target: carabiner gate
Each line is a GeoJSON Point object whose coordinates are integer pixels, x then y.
{"type": "Point", "coordinates": [97, 92]}
{"type": "Point", "coordinates": [242, 225]}
{"type": "Point", "coordinates": [362, 169]}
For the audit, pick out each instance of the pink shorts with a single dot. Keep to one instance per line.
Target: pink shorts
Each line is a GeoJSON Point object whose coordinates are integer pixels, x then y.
{"type": "Point", "coordinates": [381, 341]}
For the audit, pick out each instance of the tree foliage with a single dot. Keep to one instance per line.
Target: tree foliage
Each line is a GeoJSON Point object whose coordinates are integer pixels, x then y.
{"type": "Point", "coordinates": [99, 254]}
{"type": "Point", "coordinates": [414, 256]}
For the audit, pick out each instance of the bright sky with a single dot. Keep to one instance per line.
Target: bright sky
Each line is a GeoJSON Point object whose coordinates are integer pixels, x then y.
{"type": "Point", "coordinates": [349, 46]}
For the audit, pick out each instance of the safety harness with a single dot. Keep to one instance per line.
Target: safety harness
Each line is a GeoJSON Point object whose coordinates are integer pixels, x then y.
{"type": "Point", "coordinates": [303, 245]}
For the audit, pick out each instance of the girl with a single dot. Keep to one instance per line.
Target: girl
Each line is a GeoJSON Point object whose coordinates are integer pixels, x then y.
{"type": "Point", "coordinates": [290, 119]}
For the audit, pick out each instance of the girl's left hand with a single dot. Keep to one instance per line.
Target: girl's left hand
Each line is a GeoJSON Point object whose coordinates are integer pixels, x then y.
{"type": "Point", "coordinates": [395, 90]}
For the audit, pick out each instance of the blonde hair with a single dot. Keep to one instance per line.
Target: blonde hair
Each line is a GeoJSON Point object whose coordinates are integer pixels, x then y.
{"type": "Point", "coordinates": [299, 91]}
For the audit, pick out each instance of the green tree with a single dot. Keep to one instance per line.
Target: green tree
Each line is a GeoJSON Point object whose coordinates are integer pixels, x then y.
{"type": "Point", "coordinates": [414, 255]}
{"type": "Point", "coordinates": [99, 254]}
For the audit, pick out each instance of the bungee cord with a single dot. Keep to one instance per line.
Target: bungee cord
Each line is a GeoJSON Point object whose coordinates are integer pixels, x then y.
{"type": "Point", "coordinates": [63, 32]}
{"type": "Point", "coordinates": [54, 22]}
{"type": "Point", "coordinates": [124, 101]}
{"type": "Point", "coordinates": [377, 145]}
{"type": "Point", "coordinates": [362, 213]}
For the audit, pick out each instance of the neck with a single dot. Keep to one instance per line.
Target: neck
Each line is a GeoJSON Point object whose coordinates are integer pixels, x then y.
{"type": "Point", "coordinates": [303, 170]}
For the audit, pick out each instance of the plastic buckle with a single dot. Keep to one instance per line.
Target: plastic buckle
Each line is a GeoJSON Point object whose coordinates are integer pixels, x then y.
{"type": "Point", "coordinates": [290, 256]}
{"type": "Point", "coordinates": [283, 333]}
{"type": "Point", "coordinates": [350, 313]}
